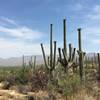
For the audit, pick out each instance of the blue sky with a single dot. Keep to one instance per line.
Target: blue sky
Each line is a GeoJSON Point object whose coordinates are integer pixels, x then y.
{"type": "Point", "coordinates": [24, 24]}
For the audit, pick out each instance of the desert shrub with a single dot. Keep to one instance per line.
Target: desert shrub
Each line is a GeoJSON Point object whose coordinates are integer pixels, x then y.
{"type": "Point", "coordinates": [23, 76]}
{"type": "Point", "coordinates": [38, 80]}
{"type": "Point", "coordinates": [65, 84]}
{"type": "Point", "coordinates": [69, 84]}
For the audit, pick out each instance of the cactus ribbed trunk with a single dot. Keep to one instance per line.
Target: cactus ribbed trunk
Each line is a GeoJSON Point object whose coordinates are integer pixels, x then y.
{"type": "Point", "coordinates": [64, 36]}
{"type": "Point", "coordinates": [60, 57]}
{"type": "Point", "coordinates": [51, 53]}
{"type": "Point", "coordinates": [70, 52]}
{"type": "Point", "coordinates": [54, 59]}
{"type": "Point", "coordinates": [98, 66]}
{"type": "Point", "coordinates": [44, 57]}
{"type": "Point", "coordinates": [80, 54]}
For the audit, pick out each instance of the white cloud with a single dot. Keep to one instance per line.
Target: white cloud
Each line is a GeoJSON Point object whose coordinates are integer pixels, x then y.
{"type": "Point", "coordinates": [21, 32]}
{"type": "Point", "coordinates": [16, 49]}
{"type": "Point", "coordinates": [14, 41]}
{"type": "Point", "coordinates": [8, 20]}
{"type": "Point", "coordinates": [18, 31]}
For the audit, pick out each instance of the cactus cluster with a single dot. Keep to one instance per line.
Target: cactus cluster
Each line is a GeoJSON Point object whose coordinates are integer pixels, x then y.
{"type": "Point", "coordinates": [68, 59]}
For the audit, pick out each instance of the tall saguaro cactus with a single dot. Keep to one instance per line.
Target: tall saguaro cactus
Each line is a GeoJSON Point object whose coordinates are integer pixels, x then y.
{"type": "Point", "coordinates": [64, 37]}
{"type": "Point", "coordinates": [52, 57]}
{"type": "Point", "coordinates": [80, 54]}
{"type": "Point", "coordinates": [65, 61]}
{"type": "Point", "coordinates": [51, 53]}
{"type": "Point", "coordinates": [98, 55]}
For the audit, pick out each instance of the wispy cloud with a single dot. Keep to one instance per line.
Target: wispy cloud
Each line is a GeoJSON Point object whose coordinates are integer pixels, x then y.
{"type": "Point", "coordinates": [17, 39]}
{"type": "Point", "coordinates": [19, 32]}
{"type": "Point", "coordinates": [94, 13]}
{"type": "Point", "coordinates": [8, 21]}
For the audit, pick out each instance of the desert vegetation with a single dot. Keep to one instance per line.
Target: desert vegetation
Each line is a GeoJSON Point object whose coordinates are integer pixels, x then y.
{"type": "Point", "coordinates": [67, 74]}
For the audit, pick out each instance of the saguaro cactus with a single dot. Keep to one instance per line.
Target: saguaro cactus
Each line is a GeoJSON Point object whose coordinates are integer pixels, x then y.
{"type": "Point", "coordinates": [65, 61]}
{"type": "Point", "coordinates": [44, 57]}
{"type": "Point", "coordinates": [30, 62]}
{"type": "Point", "coordinates": [98, 66]}
{"type": "Point", "coordinates": [80, 52]}
{"type": "Point", "coordinates": [64, 37]}
{"type": "Point", "coordinates": [51, 53]}
{"type": "Point", "coordinates": [23, 63]}
{"type": "Point", "coordinates": [49, 68]}
{"type": "Point", "coordinates": [52, 58]}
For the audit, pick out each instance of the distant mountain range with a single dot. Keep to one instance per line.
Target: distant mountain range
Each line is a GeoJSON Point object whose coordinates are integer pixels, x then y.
{"type": "Point", "coordinates": [17, 61]}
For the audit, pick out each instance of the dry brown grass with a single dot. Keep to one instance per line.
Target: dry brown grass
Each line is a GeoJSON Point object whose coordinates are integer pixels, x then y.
{"type": "Point", "coordinates": [44, 95]}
